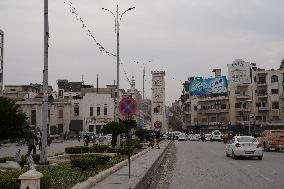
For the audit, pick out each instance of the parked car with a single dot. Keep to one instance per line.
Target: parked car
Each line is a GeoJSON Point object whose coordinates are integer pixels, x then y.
{"type": "Point", "coordinates": [182, 136]}
{"type": "Point", "coordinates": [216, 136]}
{"type": "Point", "coordinates": [207, 137]}
{"type": "Point", "coordinates": [272, 139]}
{"type": "Point", "coordinates": [91, 136]}
{"type": "Point", "coordinates": [245, 146]}
{"type": "Point", "coordinates": [193, 137]}
{"type": "Point", "coordinates": [176, 134]}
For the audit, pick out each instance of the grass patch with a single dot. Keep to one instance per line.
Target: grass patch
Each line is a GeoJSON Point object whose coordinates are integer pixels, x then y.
{"type": "Point", "coordinates": [65, 176]}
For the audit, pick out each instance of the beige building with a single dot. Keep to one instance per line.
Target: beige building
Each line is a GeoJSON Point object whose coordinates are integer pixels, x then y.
{"type": "Point", "coordinates": [254, 97]}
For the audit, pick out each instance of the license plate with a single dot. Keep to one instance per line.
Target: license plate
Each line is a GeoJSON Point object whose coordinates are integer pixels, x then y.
{"type": "Point", "coordinates": [249, 152]}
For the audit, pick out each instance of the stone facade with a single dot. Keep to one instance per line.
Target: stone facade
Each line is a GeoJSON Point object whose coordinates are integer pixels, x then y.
{"type": "Point", "coordinates": [158, 101]}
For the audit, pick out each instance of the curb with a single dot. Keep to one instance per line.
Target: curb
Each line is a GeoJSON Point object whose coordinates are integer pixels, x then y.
{"type": "Point", "coordinates": [140, 184]}
{"type": "Point", "coordinates": [91, 181]}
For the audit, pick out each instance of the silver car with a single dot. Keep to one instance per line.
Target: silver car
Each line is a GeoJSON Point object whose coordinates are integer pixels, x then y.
{"type": "Point", "coordinates": [245, 146]}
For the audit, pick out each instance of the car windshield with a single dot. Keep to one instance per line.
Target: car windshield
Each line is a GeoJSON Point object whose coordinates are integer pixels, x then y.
{"type": "Point", "coordinates": [246, 139]}
{"type": "Point", "coordinates": [217, 133]}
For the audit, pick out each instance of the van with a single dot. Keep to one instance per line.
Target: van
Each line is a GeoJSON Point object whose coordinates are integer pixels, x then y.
{"type": "Point", "coordinates": [272, 139]}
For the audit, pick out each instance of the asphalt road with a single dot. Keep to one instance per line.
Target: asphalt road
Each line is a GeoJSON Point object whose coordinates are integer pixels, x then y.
{"type": "Point", "coordinates": [201, 165]}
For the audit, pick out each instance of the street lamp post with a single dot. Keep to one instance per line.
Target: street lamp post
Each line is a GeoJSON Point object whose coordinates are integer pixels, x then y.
{"type": "Point", "coordinates": [43, 155]}
{"type": "Point", "coordinates": [248, 102]}
{"type": "Point", "coordinates": [117, 24]}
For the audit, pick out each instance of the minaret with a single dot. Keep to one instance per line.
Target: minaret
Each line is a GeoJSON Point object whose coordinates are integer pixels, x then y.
{"type": "Point", "coordinates": [158, 101]}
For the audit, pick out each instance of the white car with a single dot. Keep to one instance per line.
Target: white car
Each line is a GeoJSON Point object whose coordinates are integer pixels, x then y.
{"type": "Point", "coordinates": [216, 136]}
{"type": "Point", "coordinates": [207, 137]}
{"type": "Point", "coordinates": [182, 136]}
{"type": "Point", "coordinates": [245, 146]}
{"type": "Point", "coordinates": [193, 137]}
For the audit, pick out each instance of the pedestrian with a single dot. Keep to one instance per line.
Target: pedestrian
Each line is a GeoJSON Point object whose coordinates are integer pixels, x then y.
{"type": "Point", "coordinates": [158, 137]}
{"type": "Point", "coordinates": [31, 144]}
{"type": "Point", "coordinates": [18, 156]}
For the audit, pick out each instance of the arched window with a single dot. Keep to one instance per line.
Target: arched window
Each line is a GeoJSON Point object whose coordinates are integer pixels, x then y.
{"type": "Point", "coordinates": [274, 79]}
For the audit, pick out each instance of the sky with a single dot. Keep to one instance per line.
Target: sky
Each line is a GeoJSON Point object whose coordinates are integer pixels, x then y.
{"type": "Point", "coordinates": [184, 38]}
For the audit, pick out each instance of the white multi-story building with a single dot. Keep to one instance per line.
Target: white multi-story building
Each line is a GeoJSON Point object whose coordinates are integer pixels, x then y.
{"type": "Point", "coordinates": [158, 101]}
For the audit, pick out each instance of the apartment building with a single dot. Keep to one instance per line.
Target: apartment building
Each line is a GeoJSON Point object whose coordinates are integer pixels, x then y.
{"type": "Point", "coordinates": [254, 98]}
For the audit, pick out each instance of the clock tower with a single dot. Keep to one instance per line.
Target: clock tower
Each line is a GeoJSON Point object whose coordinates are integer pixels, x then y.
{"type": "Point", "coordinates": [158, 101]}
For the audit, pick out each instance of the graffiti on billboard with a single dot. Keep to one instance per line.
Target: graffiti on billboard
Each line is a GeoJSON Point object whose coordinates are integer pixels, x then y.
{"type": "Point", "coordinates": [200, 86]}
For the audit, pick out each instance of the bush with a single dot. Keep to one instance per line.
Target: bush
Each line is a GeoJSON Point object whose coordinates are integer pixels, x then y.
{"type": "Point", "coordinates": [89, 161]}
{"type": "Point", "coordinates": [23, 161]}
{"type": "Point", "coordinates": [9, 180]}
{"type": "Point", "coordinates": [77, 150]}
{"type": "Point", "coordinates": [99, 148]}
{"type": "Point", "coordinates": [4, 159]}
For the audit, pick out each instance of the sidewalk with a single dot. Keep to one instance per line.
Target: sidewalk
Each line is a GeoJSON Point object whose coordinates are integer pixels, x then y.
{"type": "Point", "coordinates": [139, 168]}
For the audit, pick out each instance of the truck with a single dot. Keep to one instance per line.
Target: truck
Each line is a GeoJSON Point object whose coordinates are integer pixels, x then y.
{"type": "Point", "coordinates": [272, 139]}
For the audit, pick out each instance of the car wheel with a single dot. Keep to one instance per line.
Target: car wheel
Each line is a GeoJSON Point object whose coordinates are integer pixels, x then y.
{"type": "Point", "coordinates": [259, 157]}
{"type": "Point", "coordinates": [277, 149]}
{"type": "Point", "coordinates": [228, 155]}
{"type": "Point", "coordinates": [233, 155]}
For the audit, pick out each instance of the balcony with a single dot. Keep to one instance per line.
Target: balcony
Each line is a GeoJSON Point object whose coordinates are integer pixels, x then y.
{"type": "Point", "coordinates": [243, 122]}
{"type": "Point", "coordinates": [266, 109]}
{"type": "Point", "coordinates": [243, 109]}
{"type": "Point", "coordinates": [262, 94]}
{"type": "Point", "coordinates": [239, 96]}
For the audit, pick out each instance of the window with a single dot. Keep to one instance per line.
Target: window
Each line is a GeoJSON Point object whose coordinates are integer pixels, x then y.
{"type": "Point", "coordinates": [275, 105]}
{"type": "Point", "coordinates": [91, 111]}
{"type": "Point", "coordinates": [275, 118]}
{"type": "Point", "coordinates": [98, 111]}
{"type": "Point", "coordinates": [274, 91]}
{"type": "Point", "coordinates": [238, 105]}
{"type": "Point", "coordinates": [213, 119]}
{"type": "Point", "coordinates": [223, 106]}
{"type": "Point", "coordinates": [258, 118]}
{"type": "Point", "coordinates": [261, 80]}
{"type": "Point", "coordinates": [60, 113]}
{"type": "Point", "coordinates": [76, 110]}
{"type": "Point", "coordinates": [195, 108]}
{"type": "Point", "coordinates": [204, 120]}
{"type": "Point", "coordinates": [258, 104]}
{"type": "Point", "coordinates": [105, 110]}
{"type": "Point", "coordinates": [33, 117]}
{"type": "Point", "coordinates": [157, 109]}
{"type": "Point", "coordinates": [274, 79]}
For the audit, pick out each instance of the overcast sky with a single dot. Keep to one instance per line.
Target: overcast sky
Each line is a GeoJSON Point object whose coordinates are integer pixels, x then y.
{"type": "Point", "coordinates": [183, 37]}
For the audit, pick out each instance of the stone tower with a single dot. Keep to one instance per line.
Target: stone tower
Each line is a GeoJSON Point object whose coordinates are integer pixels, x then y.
{"type": "Point", "coordinates": [158, 101]}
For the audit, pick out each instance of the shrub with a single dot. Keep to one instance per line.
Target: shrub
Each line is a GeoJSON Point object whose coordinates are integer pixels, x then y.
{"type": "Point", "coordinates": [96, 148]}
{"type": "Point", "coordinates": [77, 150]}
{"type": "Point", "coordinates": [23, 161]}
{"type": "Point", "coordinates": [4, 159]}
{"type": "Point", "coordinates": [9, 179]}
{"type": "Point", "coordinates": [89, 161]}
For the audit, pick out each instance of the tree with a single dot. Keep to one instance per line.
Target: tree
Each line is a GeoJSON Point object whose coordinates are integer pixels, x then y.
{"type": "Point", "coordinates": [114, 128]}
{"type": "Point", "coordinates": [13, 122]}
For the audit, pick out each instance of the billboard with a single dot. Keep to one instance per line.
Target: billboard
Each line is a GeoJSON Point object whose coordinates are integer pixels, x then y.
{"type": "Point", "coordinates": [200, 86]}
{"type": "Point", "coordinates": [239, 72]}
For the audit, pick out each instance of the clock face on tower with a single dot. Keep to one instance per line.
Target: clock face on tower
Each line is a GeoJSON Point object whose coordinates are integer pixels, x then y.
{"type": "Point", "coordinates": [158, 82]}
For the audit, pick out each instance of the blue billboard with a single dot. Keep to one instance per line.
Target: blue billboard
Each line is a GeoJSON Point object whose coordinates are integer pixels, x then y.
{"type": "Point", "coordinates": [200, 86]}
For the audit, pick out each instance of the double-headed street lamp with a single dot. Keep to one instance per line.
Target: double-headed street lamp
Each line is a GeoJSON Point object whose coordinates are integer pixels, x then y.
{"type": "Point", "coordinates": [117, 19]}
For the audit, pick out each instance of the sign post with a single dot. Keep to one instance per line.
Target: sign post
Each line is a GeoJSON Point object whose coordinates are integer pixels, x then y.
{"type": "Point", "coordinates": [127, 108]}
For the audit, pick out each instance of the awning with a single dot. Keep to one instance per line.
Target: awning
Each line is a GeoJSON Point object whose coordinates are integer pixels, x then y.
{"type": "Point", "coordinates": [76, 125]}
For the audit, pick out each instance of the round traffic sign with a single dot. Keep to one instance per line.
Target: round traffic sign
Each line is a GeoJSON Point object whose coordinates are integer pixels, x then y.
{"type": "Point", "coordinates": [127, 106]}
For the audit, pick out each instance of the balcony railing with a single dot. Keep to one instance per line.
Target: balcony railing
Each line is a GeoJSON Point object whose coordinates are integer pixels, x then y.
{"type": "Point", "coordinates": [263, 108]}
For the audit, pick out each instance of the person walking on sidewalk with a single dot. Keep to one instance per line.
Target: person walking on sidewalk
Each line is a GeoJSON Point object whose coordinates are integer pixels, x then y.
{"type": "Point", "coordinates": [158, 137]}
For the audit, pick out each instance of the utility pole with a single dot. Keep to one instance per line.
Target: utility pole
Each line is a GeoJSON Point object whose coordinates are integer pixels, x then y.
{"type": "Point", "coordinates": [43, 154]}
